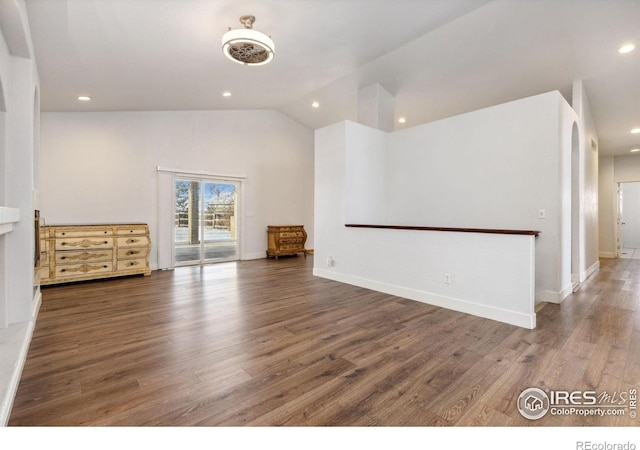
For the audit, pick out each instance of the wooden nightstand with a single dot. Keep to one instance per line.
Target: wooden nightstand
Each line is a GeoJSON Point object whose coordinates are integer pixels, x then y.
{"type": "Point", "coordinates": [286, 240]}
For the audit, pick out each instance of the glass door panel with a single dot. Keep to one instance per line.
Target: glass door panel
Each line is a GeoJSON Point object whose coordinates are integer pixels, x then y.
{"type": "Point", "coordinates": [220, 242]}
{"type": "Point", "coordinates": [205, 221]}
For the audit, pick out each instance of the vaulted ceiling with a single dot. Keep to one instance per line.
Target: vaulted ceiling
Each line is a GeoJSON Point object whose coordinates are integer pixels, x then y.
{"type": "Point", "coordinates": [436, 57]}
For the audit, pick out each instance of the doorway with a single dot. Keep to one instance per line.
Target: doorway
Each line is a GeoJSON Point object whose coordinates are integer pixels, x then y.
{"type": "Point", "coordinates": [206, 221]}
{"type": "Point", "coordinates": [629, 220]}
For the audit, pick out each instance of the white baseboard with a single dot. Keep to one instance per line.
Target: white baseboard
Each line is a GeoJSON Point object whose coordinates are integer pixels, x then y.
{"type": "Point", "coordinates": [590, 271]}
{"type": "Point", "coordinates": [608, 255]}
{"type": "Point", "coordinates": [13, 354]}
{"type": "Point", "coordinates": [553, 296]}
{"type": "Point", "coordinates": [250, 256]}
{"type": "Point", "coordinates": [456, 304]}
{"type": "Point", "coordinates": [558, 297]}
{"type": "Point", "coordinates": [14, 345]}
{"type": "Point", "coordinates": [37, 301]}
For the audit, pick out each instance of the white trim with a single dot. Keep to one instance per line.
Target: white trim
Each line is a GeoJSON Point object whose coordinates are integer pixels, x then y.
{"type": "Point", "coordinates": [456, 304]}
{"type": "Point", "coordinates": [554, 297]}
{"type": "Point", "coordinates": [590, 271]}
{"type": "Point", "coordinates": [608, 255]}
{"type": "Point", "coordinates": [200, 173]}
{"type": "Point", "coordinates": [239, 186]}
{"type": "Point", "coordinates": [8, 216]}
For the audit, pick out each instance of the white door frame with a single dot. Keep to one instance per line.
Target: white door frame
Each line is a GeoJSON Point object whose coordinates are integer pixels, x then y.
{"type": "Point", "coordinates": [166, 215]}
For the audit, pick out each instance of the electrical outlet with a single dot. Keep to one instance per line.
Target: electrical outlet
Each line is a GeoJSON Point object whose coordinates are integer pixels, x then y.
{"type": "Point", "coordinates": [330, 261]}
{"type": "Point", "coordinates": [542, 214]}
{"type": "Point", "coordinates": [447, 278]}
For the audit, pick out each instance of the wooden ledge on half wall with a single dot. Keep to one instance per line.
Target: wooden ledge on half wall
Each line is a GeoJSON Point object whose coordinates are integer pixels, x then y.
{"type": "Point", "coordinates": [459, 230]}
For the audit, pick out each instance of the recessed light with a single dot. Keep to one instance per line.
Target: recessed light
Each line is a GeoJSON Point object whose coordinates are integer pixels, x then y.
{"type": "Point", "coordinates": [402, 120]}
{"type": "Point", "coordinates": [635, 130]}
{"type": "Point", "coordinates": [226, 94]}
{"type": "Point", "coordinates": [315, 104]}
{"type": "Point", "coordinates": [635, 150]}
{"type": "Point", "coordinates": [84, 98]}
{"type": "Point", "coordinates": [626, 48]}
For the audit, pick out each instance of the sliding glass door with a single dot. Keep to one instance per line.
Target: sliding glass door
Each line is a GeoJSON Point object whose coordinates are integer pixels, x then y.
{"type": "Point", "coordinates": [206, 217]}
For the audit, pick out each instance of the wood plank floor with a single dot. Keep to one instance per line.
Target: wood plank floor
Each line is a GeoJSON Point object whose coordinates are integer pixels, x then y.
{"type": "Point", "coordinates": [265, 343]}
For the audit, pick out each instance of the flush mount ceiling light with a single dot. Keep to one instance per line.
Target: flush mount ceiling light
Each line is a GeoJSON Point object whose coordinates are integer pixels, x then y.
{"type": "Point", "coordinates": [246, 45]}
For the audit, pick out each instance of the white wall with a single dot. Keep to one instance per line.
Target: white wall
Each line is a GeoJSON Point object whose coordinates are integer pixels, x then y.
{"type": "Point", "coordinates": [493, 168]}
{"type": "Point", "coordinates": [491, 275]}
{"type": "Point", "coordinates": [19, 82]}
{"type": "Point", "coordinates": [367, 180]}
{"type": "Point", "coordinates": [19, 109]}
{"type": "Point", "coordinates": [101, 167]}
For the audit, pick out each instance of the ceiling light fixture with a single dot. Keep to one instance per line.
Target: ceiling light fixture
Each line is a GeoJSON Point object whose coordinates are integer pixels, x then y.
{"type": "Point", "coordinates": [635, 150]}
{"type": "Point", "coordinates": [402, 120]}
{"type": "Point", "coordinates": [635, 130]}
{"type": "Point", "coordinates": [246, 45]}
{"type": "Point", "coordinates": [626, 48]}
{"type": "Point", "coordinates": [315, 104]}
{"type": "Point", "coordinates": [226, 94]}
{"type": "Point", "coordinates": [84, 98]}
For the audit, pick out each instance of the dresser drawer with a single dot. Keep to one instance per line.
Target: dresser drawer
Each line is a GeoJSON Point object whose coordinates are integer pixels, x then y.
{"type": "Point", "coordinates": [93, 232]}
{"type": "Point", "coordinates": [73, 270]}
{"type": "Point", "coordinates": [74, 257]}
{"type": "Point", "coordinates": [83, 243]}
{"type": "Point", "coordinates": [132, 253]}
{"type": "Point", "coordinates": [132, 264]}
{"type": "Point", "coordinates": [132, 229]}
{"type": "Point", "coordinates": [133, 241]}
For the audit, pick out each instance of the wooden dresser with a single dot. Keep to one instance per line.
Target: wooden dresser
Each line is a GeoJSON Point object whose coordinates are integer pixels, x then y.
{"type": "Point", "coordinates": [286, 240]}
{"type": "Point", "coordinates": [88, 252]}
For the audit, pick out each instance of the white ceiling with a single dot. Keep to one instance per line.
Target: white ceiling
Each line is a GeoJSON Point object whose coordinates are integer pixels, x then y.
{"type": "Point", "coordinates": [436, 57]}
